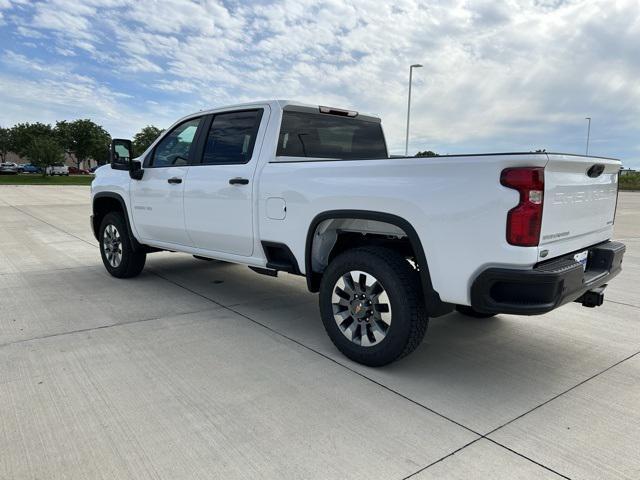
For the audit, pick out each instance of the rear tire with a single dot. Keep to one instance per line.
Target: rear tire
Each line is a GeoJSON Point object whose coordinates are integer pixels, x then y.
{"type": "Point", "coordinates": [378, 316]}
{"type": "Point", "coordinates": [470, 312]}
{"type": "Point", "coordinates": [118, 255]}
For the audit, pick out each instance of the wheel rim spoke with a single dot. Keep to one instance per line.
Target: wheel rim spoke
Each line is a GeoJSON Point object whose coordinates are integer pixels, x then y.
{"type": "Point", "coordinates": [379, 328]}
{"type": "Point", "coordinates": [375, 289]}
{"type": "Point", "coordinates": [348, 284]}
{"type": "Point", "coordinates": [351, 329]}
{"type": "Point", "coordinates": [342, 294]}
{"type": "Point", "coordinates": [362, 282]}
{"type": "Point", "coordinates": [381, 307]}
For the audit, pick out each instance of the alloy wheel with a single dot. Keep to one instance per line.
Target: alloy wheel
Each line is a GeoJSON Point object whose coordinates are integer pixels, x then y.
{"type": "Point", "coordinates": [112, 244]}
{"type": "Point", "coordinates": [361, 308]}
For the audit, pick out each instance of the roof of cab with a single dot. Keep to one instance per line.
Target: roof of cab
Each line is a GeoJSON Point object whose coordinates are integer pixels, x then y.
{"type": "Point", "coordinates": [281, 105]}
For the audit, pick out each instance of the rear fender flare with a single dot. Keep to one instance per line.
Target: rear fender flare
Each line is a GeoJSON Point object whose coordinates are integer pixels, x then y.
{"type": "Point", "coordinates": [435, 306]}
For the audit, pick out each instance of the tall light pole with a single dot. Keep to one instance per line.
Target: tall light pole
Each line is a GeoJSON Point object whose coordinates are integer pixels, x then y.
{"type": "Point", "coordinates": [406, 143]}
{"type": "Point", "coordinates": [588, 133]}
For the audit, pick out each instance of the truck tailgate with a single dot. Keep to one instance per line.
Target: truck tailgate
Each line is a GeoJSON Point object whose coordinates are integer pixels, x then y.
{"type": "Point", "coordinates": [579, 202]}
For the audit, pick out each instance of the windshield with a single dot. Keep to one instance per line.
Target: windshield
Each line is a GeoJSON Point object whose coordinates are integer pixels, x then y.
{"type": "Point", "coordinates": [318, 135]}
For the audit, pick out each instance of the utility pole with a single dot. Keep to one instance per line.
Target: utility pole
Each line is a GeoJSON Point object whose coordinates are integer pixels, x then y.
{"type": "Point", "coordinates": [406, 143]}
{"type": "Point", "coordinates": [588, 134]}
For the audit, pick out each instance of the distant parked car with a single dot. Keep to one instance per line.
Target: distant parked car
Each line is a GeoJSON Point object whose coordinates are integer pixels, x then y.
{"type": "Point", "coordinates": [8, 168]}
{"type": "Point", "coordinates": [78, 171]}
{"type": "Point", "coordinates": [30, 168]}
{"type": "Point", "coordinates": [58, 170]}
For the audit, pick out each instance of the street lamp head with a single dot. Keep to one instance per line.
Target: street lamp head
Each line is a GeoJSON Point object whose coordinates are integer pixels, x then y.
{"type": "Point", "coordinates": [416, 65]}
{"type": "Point", "coordinates": [587, 118]}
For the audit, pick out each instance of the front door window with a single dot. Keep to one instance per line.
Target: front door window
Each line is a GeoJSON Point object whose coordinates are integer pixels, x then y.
{"type": "Point", "coordinates": [175, 149]}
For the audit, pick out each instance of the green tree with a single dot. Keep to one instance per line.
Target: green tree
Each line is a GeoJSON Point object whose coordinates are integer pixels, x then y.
{"type": "Point", "coordinates": [22, 135]}
{"type": "Point", "coordinates": [426, 153]}
{"type": "Point", "coordinates": [44, 152]}
{"type": "Point", "coordinates": [85, 139]}
{"type": "Point", "coordinates": [144, 138]}
{"type": "Point", "coordinates": [5, 143]}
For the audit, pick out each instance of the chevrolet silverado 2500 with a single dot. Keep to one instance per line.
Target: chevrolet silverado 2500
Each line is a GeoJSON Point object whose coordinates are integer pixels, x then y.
{"type": "Point", "coordinates": [387, 242]}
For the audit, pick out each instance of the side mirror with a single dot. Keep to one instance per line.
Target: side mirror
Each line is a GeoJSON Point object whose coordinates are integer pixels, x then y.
{"type": "Point", "coordinates": [122, 158]}
{"type": "Point", "coordinates": [120, 154]}
{"type": "Point", "coordinates": [135, 171]}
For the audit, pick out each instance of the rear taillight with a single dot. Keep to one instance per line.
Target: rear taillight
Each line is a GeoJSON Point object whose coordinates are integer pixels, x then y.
{"type": "Point", "coordinates": [525, 220]}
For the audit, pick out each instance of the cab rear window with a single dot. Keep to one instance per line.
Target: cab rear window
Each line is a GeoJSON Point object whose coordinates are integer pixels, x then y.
{"type": "Point", "coordinates": [317, 135]}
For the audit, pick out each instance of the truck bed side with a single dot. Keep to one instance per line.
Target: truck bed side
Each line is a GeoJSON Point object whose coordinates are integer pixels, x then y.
{"type": "Point", "coordinates": [456, 205]}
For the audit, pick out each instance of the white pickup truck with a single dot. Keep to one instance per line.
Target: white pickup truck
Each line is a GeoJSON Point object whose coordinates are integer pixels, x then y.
{"type": "Point", "coordinates": [387, 242]}
{"type": "Point", "coordinates": [61, 170]}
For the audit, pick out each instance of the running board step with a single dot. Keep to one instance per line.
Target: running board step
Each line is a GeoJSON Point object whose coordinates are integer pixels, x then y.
{"type": "Point", "coordinates": [265, 271]}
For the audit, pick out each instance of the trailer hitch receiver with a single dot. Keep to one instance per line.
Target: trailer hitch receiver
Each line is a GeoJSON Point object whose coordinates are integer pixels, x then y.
{"type": "Point", "coordinates": [592, 298]}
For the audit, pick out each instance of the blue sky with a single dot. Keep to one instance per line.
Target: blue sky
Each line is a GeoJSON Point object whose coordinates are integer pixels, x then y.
{"type": "Point", "coordinates": [497, 76]}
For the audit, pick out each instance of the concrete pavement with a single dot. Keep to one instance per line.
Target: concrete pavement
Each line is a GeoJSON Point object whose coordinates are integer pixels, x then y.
{"type": "Point", "coordinates": [206, 370]}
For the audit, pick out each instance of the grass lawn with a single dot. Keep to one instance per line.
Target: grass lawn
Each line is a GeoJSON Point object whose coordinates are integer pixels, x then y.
{"type": "Point", "coordinates": [630, 181]}
{"type": "Point", "coordinates": [37, 179]}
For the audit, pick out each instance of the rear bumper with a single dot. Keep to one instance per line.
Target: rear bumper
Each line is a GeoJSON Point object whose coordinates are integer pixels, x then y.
{"type": "Point", "coordinates": [547, 285]}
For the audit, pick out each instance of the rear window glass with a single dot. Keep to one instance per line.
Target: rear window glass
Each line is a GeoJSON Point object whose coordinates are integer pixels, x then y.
{"type": "Point", "coordinates": [319, 135]}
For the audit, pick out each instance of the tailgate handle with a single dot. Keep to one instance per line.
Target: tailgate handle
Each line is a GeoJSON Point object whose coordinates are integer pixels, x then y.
{"type": "Point", "coordinates": [595, 170]}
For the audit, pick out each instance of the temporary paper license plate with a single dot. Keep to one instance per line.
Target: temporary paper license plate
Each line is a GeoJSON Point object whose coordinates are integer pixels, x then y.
{"type": "Point", "coordinates": [581, 258]}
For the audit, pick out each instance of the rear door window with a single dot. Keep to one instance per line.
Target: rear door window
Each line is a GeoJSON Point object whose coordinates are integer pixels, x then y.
{"type": "Point", "coordinates": [319, 135]}
{"type": "Point", "coordinates": [231, 137]}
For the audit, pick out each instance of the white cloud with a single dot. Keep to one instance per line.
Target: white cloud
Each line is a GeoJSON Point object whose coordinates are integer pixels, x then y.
{"type": "Point", "coordinates": [64, 17]}
{"type": "Point", "coordinates": [29, 32]}
{"type": "Point", "coordinates": [65, 52]}
{"type": "Point", "coordinates": [140, 64]}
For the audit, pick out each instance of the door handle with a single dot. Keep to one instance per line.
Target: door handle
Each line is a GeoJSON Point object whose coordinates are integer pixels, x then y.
{"type": "Point", "coordinates": [238, 181]}
{"type": "Point", "coordinates": [174, 180]}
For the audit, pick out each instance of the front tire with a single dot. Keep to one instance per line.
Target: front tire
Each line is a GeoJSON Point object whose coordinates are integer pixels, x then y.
{"type": "Point", "coordinates": [372, 306]}
{"type": "Point", "coordinates": [118, 255]}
